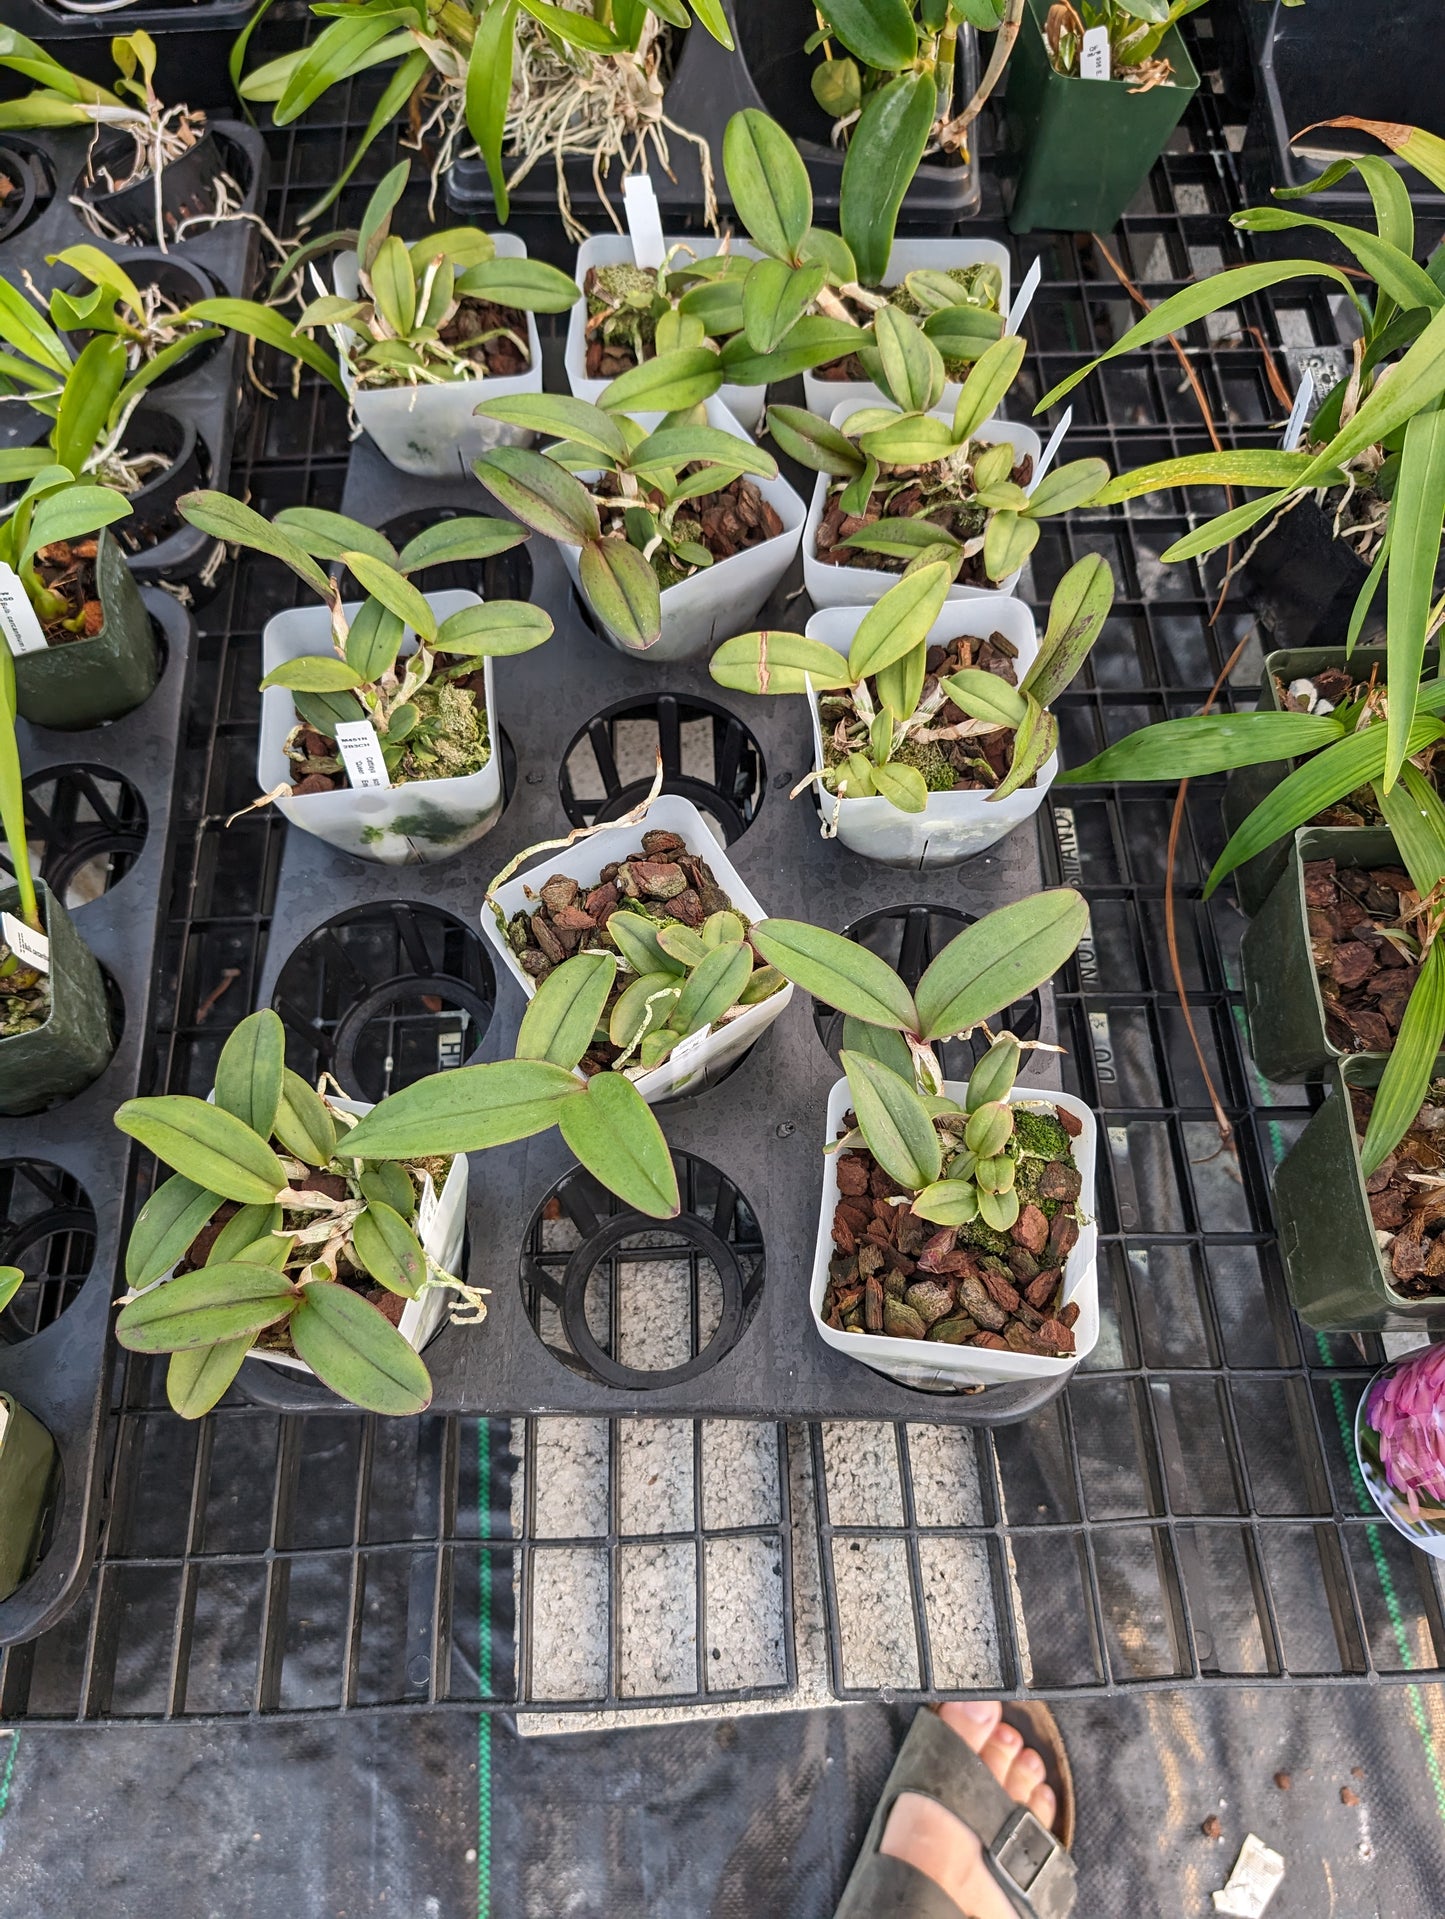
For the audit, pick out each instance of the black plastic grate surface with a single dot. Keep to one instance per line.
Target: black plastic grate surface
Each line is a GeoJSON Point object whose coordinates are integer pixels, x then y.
{"type": "Point", "coordinates": [1185, 1512]}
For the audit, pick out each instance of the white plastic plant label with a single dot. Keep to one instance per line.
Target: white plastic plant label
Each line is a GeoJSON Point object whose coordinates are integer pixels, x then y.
{"type": "Point", "coordinates": [1299, 412]}
{"type": "Point", "coordinates": [1023, 299]}
{"type": "Point", "coordinates": [23, 630]}
{"type": "Point", "coordinates": [426, 1206]}
{"type": "Point", "coordinates": [1056, 440]}
{"type": "Point", "coordinates": [687, 1055]}
{"type": "Point", "coordinates": [1094, 54]}
{"type": "Point", "coordinates": [644, 220]}
{"type": "Point", "coordinates": [361, 754]}
{"type": "Point", "coordinates": [28, 946]}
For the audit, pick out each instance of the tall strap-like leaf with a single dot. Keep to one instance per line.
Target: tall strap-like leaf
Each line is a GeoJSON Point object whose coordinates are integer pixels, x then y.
{"type": "Point", "coordinates": [1322, 780]}
{"type": "Point", "coordinates": [1415, 814]}
{"type": "Point", "coordinates": [1417, 516]}
{"type": "Point", "coordinates": [1193, 303]}
{"type": "Point", "coordinates": [1406, 1078]}
{"type": "Point", "coordinates": [1208, 743]}
{"type": "Point", "coordinates": [883, 155]}
{"type": "Point", "coordinates": [1395, 272]}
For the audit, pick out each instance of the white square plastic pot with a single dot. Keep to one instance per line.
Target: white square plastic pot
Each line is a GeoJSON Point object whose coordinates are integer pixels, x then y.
{"type": "Point", "coordinates": [908, 256]}
{"type": "Point", "coordinates": [706, 1058]}
{"type": "Point", "coordinates": [953, 826]}
{"type": "Point", "coordinates": [420, 1318]}
{"type": "Point", "coordinates": [419, 821]}
{"type": "Point", "coordinates": [930, 1364]}
{"type": "Point", "coordinates": [745, 403]}
{"type": "Point", "coordinates": [721, 600]}
{"type": "Point", "coordinates": [862, 585]}
{"type": "Point", "coordinates": [434, 429]}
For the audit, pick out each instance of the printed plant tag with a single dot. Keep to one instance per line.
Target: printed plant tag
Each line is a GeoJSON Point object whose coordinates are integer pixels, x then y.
{"type": "Point", "coordinates": [1094, 54]}
{"type": "Point", "coordinates": [644, 220]}
{"type": "Point", "coordinates": [1056, 440]}
{"type": "Point", "coordinates": [28, 946]}
{"type": "Point", "coordinates": [23, 630]}
{"type": "Point", "coordinates": [426, 1206]}
{"type": "Point", "coordinates": [361, 752]}
{"type": "Point", "coordinates": [686, 1056]}
{"type": "Point", "coordinates": [1023, 299]}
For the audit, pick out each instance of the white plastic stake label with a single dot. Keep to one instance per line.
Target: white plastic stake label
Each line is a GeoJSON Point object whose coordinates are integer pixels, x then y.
{"type": "Point", "coordinates": [1298, 413]}
{"type": "Point", "coordinates": [1094, 54]}
{"type": "Point", "coordinates": [1023, 299]}
{"type": "Point", "coordinates": [23, 630]}
{"type": "Point", "coordinates": [644, 220]}
{"type": "Point", "coordinates": [426, 1206]}
{"type": "Point", "coordinates": [361, 753]}
{"type": "Point", "coordinates": [28, 946]}
{"type": "Point", "coordinates": [1056, 440]}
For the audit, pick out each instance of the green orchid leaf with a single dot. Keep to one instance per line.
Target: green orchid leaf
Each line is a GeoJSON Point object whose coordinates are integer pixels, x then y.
{"type": "Point", "coordinates": [637, 940]}
{"type": "Point", "coordinates": [984, 696]}
{"type": "Point", "coordinates": [389, 1250]}
{"type": "Point", "coordinates": [468, 536]}
{"type": "Point", "coordinates": [644, 1006]}
{"type": "Point", "coordinates": [999, 959]}
{"type": "Point", "coordinates": [165, 1227]}
{"type": "Point", "coordinates": [668, 383]}
{"type": "Point", "coordinates": [488, 91]}
{"type": "Point", "coordinates": [196, 1380]}
{"type": "Point", "coordinates": [1208, 743]}
{"type": "Point", "coordinates": [1081, 604]}
{"type": "Point", "coordinates": [395, 592]}
{"type": "Point", "coordinates": [1408, 1071]}
{"type": "Point", "coordinates": [564, 1012]}
{"type": "Point", "coordinates": [544, 497]}
{"type": "Point", "coordinates": [813, 442]}
{"type": "Point", "coordinates": [894, 1121]}
{"type": "Point", "coordinates": [304, 1124]}
{"type": "Point", "coordinates": [672, 447]}
{"type": "Point", "coordinates": [1074, 484]}
{"type": "Point", "coordinates": [900, 621]}
{"type": "Point", "coordinates": [880, 32]}
{"type": "Point", "coordinates": [532, 286]}
{"type": "Point", "coordinates": [714, 986]}
{"type": "Point", "coordinates": [227, 519]}
{"type": "Point", "coordinates": [814, 340]}
{"type": "Point", "coordinates": [615, 1135]}
{"type": "Point", "coordinates": [564, 418]}
{"type": "Point", "coordinates": [373, 641]}
{"type": "Point", "coordinates": [215, 1303]}
{"type": "Point", "coordinates": [354, 1349]}
{"type": "Point", "coordinates": [389, 1183]}
{"type": "Point", "coordinates": [837, 971]}
{"type": "Point", "coordinates": [1035, 743]}
{"type": "Point", "coordinates": [249, 1071]}
{"type": "Point", "coordinates": [775, 297]}
{"type": "Point", "coordinates": [778, 663]}
{"type": "Point", "coordinates": [314, 673]}
{"type": "Point", "coordinates": [622, 590]}
{"type": "Point", "coordinates": [246, 1229]}
{"type": "Point", "coordinates": [988, 382]}
{"type": "Point", "coordinates": [913, 372]}
{"type": "Point", "coordinates": [207, 1144]}
{"type": "Point", "coordinates": [768, 184]}
{"type": "Point", "coordinates": [1417, 513]}
{"type": "Point", "coordinates": [902, 786]}
{"type": "Point", "coordinates": [887, 143]}
{"type": "Point", "coordinates": [496, 629]}
{"type": "Point", "coordinates": [463, 1110]}
{"type": "Point", "coordinates": [327, 536]}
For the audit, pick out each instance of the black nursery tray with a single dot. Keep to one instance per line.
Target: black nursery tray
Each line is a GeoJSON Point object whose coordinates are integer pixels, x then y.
{"type": "Point", "coordinates": [209, 402]}
{"type": "Point", "coordinates": [381, 974]}
{"type": "Point", "coordinates": [100, 802]}
{"type": "Point", "coordinates": [708, 87]}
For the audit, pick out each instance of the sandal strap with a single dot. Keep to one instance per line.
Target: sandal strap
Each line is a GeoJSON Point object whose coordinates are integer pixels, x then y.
{"type": "Point", "coordinates": [885, 1888]}
{"type": "Point", "coordinates": [1025, 1858]}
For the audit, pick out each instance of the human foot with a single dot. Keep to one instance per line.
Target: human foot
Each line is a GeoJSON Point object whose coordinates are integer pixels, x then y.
{"type": "Point", "coordinates": [936, 1842]}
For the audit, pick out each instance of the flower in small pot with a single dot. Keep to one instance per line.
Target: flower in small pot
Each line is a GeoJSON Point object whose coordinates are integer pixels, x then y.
{"type": "Point", "coordinates": [929, 747]}
{"type": "Point", "coordinates": [1400, 1446]}
{"type": "Point", "coordinates": [274, 1239]}
{"type": "Point", "coordinates": [983, 1205]}
{"type": "Point", "coordinates": [675, 536]}
{"type": "Point", "coordinates": [378, 724]}
{"type": "Point", "coordinates": [424, 329]}
{"type": "Point", "coordinates": [82, 643]}
{"type": "Point", "coordinates": [150, 166]}
{"type": "Point", "coordinates": [1359, 506]}
{"type": "Point", "coordinates": [906, 484]}
{"type": "Point", "coordinates": [519, 83]}
{"type": "Point", "coordinates": [55, 1035]}
{"type": "Point", "coordinates": [666, 925]}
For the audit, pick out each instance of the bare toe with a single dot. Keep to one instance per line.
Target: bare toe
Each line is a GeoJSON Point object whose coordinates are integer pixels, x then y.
{"type": "Point", "coordinates": [1026, 1772]}
{"type": "Point", "coordinates": [1043, 1805]}
{"type": "Point", "coordinates": [972, 1719]}
{"type": "Point", "coordinates": [1000, 1750]}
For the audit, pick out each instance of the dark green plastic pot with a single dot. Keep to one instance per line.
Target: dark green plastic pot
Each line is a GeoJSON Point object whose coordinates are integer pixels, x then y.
{"type": "Point", "coordinates": [74, 1045]}
{"type": "Point", "coordinates": [1282, 1000]}
{"type": "Point", "coordinates": [1337, 1280]}
{"type": "Point", "coordinates": [1085, 146]}
{"type": "Point", "coordinates": [84, 682]}
{"type": "Point", "coordinates": [1256, 879]}
{"type": "Point", "coordinates": [27, 1473]}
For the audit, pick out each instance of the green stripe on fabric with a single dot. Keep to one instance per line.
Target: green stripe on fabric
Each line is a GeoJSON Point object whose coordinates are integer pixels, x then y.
{"type": "Point", "coordinates": [484, 1672]}
{"type": "Point", "coordinates": [9, 1772]}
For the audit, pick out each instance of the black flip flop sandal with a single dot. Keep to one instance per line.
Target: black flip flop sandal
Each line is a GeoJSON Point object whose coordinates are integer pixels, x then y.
{"type": "Point", "coordinates": [1030, 1863]}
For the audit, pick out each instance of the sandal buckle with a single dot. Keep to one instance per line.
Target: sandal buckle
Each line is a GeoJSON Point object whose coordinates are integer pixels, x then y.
{"type": "Point", "coordinates": [1030, 1864]}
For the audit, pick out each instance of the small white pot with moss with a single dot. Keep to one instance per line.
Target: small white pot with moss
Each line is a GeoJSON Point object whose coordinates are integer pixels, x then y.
{"type": "Point", "coordinates": [953, 825]}
{"type": "Point", "coordinates": [417, 821]}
